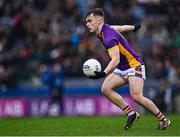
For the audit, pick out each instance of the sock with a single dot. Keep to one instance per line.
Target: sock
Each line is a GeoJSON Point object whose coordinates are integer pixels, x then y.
{"type": "Point", "coordinates": [128, 111]}
{"type": "Point", "coordinates": [160, 116]}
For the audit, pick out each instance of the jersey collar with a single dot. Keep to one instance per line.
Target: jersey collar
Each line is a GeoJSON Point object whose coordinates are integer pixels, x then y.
{"type": "Point", "coordinates": [101, 35]}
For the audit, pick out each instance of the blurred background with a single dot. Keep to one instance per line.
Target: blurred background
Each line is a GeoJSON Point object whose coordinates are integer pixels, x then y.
{"type": "Point", "coordinates": [44, 43]}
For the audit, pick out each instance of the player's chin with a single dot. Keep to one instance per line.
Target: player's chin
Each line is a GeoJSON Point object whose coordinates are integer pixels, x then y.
{"type": "Point", "coordinates": [90, 30]}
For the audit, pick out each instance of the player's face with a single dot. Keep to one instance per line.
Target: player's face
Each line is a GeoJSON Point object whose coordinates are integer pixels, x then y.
{"type": "Point", "coordinates": [92, 23]}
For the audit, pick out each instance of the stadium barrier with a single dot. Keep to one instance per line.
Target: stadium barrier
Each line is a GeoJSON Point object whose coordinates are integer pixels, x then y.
{"type": "Point", "coordinates": [82, 97]}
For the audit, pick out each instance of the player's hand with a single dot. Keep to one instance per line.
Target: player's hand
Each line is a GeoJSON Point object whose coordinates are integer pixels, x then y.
{"type": "Point", "coordinates": [98, 75]}
{"type": "Point", "coordinates": [136, 27]}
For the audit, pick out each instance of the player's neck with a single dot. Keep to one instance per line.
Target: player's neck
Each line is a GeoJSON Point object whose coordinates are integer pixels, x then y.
{"type": "Point", "coordinates": [98, 32]}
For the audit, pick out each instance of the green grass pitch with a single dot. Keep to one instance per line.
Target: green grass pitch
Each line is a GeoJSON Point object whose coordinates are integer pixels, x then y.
{"type": "Point", "coordinates": [85, 126]}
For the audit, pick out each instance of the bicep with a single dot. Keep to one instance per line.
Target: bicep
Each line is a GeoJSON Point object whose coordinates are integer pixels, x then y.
{"type": "Point", "coordinates": [114, 52]}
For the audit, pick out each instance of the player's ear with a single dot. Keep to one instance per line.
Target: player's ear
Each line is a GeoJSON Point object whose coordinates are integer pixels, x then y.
{"type": "Point", "coordinates": [99, 20]}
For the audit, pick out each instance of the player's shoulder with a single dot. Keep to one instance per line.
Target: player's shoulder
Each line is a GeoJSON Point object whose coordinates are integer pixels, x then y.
{"type": "Point", "coordinates": [108, 32]}
{"type": "Point", "coordinates": [108, 28]}
{"type": "Point", "coordinates": [109, 39]}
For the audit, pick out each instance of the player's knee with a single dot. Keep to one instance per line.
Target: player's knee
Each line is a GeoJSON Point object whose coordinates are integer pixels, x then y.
{"type": "Point", "coordinates": [105, 90]}
{"type": "Point", "coordinates": [136, 97]}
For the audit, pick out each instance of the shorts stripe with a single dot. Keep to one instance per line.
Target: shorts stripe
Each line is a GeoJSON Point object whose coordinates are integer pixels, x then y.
{"type": "Point", "coordinates": [138, 72]}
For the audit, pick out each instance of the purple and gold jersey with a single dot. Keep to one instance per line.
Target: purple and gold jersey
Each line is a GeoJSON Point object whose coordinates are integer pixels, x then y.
{"type": "Point", "coordinates": [111, 39]}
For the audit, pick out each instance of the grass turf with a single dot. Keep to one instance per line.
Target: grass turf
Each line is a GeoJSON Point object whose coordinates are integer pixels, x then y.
{"type": "Point", "coordinates": [85, 126]}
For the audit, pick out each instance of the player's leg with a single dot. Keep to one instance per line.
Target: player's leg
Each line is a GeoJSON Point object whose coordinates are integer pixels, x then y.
{"type": "Point", "coordinates": [136, 90]}
{"type": "Point", "coordinates": [108, 89]}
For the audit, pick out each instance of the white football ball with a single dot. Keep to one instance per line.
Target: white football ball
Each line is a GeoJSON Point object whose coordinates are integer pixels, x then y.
{"type": "Point", "coordinates": [90, 66]}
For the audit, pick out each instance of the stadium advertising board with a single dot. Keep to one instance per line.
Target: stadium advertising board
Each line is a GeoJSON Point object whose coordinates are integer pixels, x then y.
{"type": "Point", "coordinates": [95, 105]}
{"type": "Point", "coordinates": [75, 105]}
{"type": "Point", "coordinates": [13, 107]}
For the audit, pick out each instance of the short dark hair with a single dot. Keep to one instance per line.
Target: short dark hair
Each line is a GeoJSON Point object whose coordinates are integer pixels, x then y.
{"type": "Point", "coordinates": [96, 12]}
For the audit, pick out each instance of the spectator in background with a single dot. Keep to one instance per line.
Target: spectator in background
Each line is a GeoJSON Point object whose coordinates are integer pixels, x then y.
{"type": "Point", "coordinates": [32, 30]}
{"type": "Point", "coordinates": [53, 78]}
{"type": "Point", "coordinates": [165, 97]}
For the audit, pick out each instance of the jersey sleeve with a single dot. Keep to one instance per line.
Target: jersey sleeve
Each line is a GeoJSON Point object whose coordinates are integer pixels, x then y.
{"type": "Point", "coordinates": [111, 43]}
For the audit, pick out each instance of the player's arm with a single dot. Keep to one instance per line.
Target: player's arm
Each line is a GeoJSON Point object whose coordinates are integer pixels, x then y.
{"type": "Point", "coordinates": [124, 28]}
{"type": "Point", "coordinates": [115, 59]}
